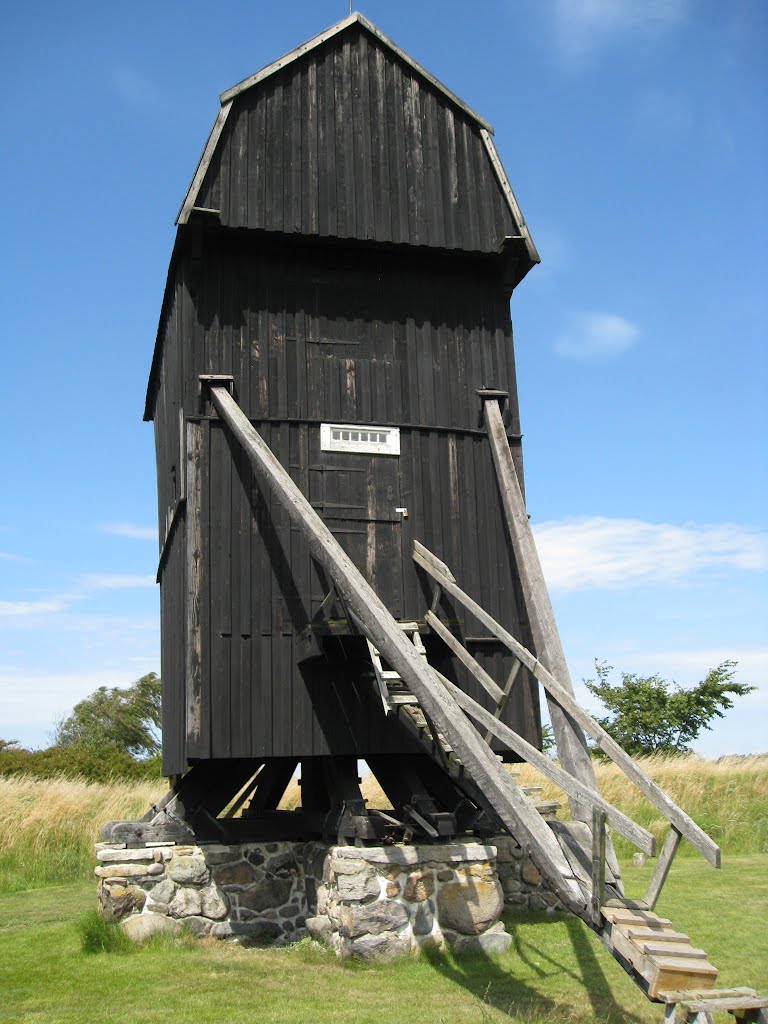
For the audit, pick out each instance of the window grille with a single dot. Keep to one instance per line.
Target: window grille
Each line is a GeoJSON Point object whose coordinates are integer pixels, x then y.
{"type": "Point", "coordinates": [368, 440]}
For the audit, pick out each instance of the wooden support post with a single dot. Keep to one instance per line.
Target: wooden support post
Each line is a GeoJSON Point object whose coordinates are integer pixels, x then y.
{"type": "Point", "coordinates": [519, 814]}
{"type": "Point", "coordinates": [246, 792]}
{"type": "Point", "coordinates": [502, 705]}
{"type": "Point", "coordinates": [598, 864]}
{"type": "Point", "coordinates": [271, 784]}
{"type": "Point", "coordinates": [687, 827]}
{"type": "Point", "coordinates": [663, 864]}
{"type": "Point", "coordinates": [571, 743]}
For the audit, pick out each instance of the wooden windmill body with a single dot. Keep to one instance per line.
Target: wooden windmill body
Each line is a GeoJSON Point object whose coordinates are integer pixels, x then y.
{"type": "Point", "coordinates": [347, 570]}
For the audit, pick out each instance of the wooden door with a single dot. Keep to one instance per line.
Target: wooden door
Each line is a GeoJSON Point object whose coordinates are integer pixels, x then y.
{"type": "Point", "coordinates": [358, 496]}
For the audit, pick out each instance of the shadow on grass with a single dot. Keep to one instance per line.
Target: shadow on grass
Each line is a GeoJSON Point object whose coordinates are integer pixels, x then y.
{"type": "Point", "coordinates": [493, 979]}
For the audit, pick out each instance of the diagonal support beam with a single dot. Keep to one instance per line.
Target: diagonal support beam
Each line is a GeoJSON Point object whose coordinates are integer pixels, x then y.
{"type": "Point", "coordinates": [687, 827]}
{"type": "Point", "coordinates": [490, 686]}
{"type": "Point", "coordinates": [571, 743]}
{"type": "Point", "coordinates": [635, 833]}
{"type": "Point", "coordinates": [516, 811]}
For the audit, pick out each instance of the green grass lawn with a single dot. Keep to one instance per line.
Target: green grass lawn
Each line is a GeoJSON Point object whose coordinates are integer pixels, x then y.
{"type": "Point", "coordinates": [555, 969]}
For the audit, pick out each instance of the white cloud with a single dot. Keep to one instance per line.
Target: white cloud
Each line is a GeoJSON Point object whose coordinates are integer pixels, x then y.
{"type": "Point", "coordinates": [116, 581]}
{"type": "Point", "coordinates": [27, 609]}
{"type": "Point", "coordinates": [596, 335]}
{"type": "Point", "coordinates": [584, 26]}
{"type": "Point", "coordinates": [55, 604]}
{"type": "Point", "coordinates": [31, 702]}
{"type": "Point", "coordinates": [597, 552]}
{"type": "Point", "coordinates": [131, 530]}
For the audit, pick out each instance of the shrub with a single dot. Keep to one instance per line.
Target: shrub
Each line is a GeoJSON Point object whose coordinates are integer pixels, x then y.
{"type": "Point", "coordinates": [94, 764]}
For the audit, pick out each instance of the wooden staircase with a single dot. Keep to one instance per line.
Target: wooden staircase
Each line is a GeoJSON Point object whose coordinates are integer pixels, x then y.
{"type": "Point", "coordinates": [662, 957]}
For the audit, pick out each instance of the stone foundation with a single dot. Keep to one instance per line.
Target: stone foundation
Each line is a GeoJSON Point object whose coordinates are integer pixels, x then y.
{"type": "Point", "coordinates": [254, 892]}
{"type": "Point", "coordinates": [387, 900]}
{"type": "Point", "coordinates": [521, 880]}
{"type": "Point", "coordinates": [371, 902]}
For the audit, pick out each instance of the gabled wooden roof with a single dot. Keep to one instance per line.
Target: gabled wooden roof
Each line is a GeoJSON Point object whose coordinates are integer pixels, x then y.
{"type": "Point", "coordinates": [347, 136]}
{"type": "Point", "coordinates": [322, 37]}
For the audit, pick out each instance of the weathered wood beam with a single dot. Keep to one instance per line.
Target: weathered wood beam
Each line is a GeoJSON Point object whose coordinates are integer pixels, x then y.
{"type": "Point", "coordinates": [571, 743]}
{"type": "Point", "coordinates": [501, 707]}
{"type": "Point", "coordinates": [471, 664]}
{"type": "Point", "coordinates": [509, 195]}
{"type": "Point", "coordinates": [197, 738]}
{"type": "Point", "coordinates": [660, 872]}
{"type": "Point", "coordinates": [204, 163]}
{"type": "Point", "coordinates": [696, 836]}
{"type": "Point", "coordinates": [271, 784]}
{"type": "Point", "coordinates": [207, 786]}
{"type": "Point", "coordinates": [598, 864]}
{"type": "Point", "coordinates": [624, 825]}
{"type": "Point", "coordinates": [245, 793]}
{"type": "Point", "coordinates": [517, 812]}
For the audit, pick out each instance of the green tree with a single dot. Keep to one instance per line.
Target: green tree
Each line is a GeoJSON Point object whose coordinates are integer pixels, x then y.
{"type": "Point", "coordinates": [547, 738]}
{"type": "Point", "coordinates": [127, 720]}
{"type": "Point", "coordinates": [649, 715]}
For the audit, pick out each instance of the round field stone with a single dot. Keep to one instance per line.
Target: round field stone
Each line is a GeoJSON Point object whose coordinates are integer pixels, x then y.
{"type": "Point", "coordinates": [185, 870]}
{"type": "Point", "coordinates": [530, 873]}
{"type": "Point", "coordinates": [419, 886]}
{"type": "Point", "coordinates": [146, 925]}
{"type": "Point", "coordinates": [470, 908]}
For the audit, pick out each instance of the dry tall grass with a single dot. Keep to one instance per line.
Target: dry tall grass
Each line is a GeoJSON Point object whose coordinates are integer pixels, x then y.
{"type": "Point", "coordinates": [728, 798]}
{"type": "Point", "coordinates": [47, 827]}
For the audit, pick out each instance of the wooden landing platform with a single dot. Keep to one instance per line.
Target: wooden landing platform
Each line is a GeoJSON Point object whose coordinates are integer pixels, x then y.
{"type": "Point", "coordinates": [697, 1006]}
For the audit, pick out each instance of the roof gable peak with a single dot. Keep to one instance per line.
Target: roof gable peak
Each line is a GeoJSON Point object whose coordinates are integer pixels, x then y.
{"type": "Point", "coordinates": [352, 19]}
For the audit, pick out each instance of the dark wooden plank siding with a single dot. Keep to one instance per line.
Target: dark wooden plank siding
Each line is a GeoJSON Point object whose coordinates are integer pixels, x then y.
{"type": "Point", "coordinates": [311, 335]}
{"type": "Point", "coordinates": [351, 142]}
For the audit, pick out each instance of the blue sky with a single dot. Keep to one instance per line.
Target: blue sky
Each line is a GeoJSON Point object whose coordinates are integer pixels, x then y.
{"type": "Point", "coordinates": [634, 135]}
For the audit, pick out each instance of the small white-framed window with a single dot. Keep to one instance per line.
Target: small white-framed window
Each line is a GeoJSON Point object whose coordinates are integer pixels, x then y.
{"type": "Point", "coordinates": [366, 439]}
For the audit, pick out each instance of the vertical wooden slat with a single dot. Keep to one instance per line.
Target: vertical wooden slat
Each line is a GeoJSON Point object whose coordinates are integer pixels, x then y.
{"type": "Point", "coordinates": [383, 198]}
{"type": "Point", "coordinates": [434, 201]}
{"type": "Point", "coordinates": [295, 179]}
{"type": "Point", "coordinates": [310, 212]}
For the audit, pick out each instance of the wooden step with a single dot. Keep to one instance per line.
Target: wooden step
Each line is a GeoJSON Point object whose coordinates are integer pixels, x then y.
{"type": "Point", "coordinates": [639, 935]}
{"type": "Point", "coordinates": [669, 972]}
{"type": "Point", "coordinates": [623, 916]}
{"type": "Point", "coordinates": [678, 949]}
